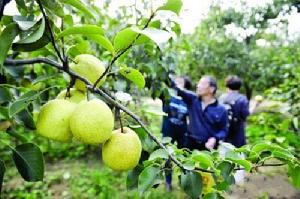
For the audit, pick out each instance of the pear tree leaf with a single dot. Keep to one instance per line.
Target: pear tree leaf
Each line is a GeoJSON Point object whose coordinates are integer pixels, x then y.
{"type": "Point", "coordinates": [22, 102]}
{"type": "Point", "coordinates": [147, 178]}
{"type": "Point", "coordinates": [159, 37]}
{"type": "Point", "coordinates": [86, 29]}
{"type": "Point", "coordinates": [172, 5]}
{"type": "Point", "coordinates": [128, 36]}
{"type": "Point", "coordinates": [29, 161]}
{"type": "Point", "coordinates": [159, 153]}
{"type": "Point", "coordinates": [294, 173]}
{"type": "Point", "coordinates": [102, 41]}
{"type": "Point", "coordinates": [6, 38]}
{"type": "Point", "coordinates": [80, 6]}
{"type": "Point", "coordinates": [191, 183]}
{"type": "Point", "coordinates": [35, 35]}
{"type": "Point", "coordinates": [204, 159]}
{"type": "Point", "coordinates": [133, 75]}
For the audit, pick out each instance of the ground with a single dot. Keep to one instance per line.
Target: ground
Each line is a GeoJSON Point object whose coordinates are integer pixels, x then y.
{"type": "Point", "coordinates": [89, 178]}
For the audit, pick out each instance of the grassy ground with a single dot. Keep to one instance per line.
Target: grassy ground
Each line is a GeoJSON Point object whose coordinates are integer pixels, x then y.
{"type": "Point", "coordinates": [88, 178]}
{"type": "Point", "coordinates": [85, 178]}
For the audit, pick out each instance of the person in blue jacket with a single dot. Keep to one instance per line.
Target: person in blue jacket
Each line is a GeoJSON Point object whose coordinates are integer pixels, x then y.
{"type": "Point", "coordinates": [208, 121]}
{"type": "Point", "coordinates": [174, 124]}
{"type": "Point", "coordinates": [239, 109]}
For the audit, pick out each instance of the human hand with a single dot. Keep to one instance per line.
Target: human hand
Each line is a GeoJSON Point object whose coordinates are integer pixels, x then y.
{"type": "Point", "coordinates": [211, 142]}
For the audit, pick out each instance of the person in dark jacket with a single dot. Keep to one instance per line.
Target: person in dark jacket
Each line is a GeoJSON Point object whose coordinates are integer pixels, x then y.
{"type": "Point", "coordinates": [207, 119]}
{"type": "Point", "coordinates": [174, 125]}
{"type": "Point", "coordinates": [239, 106]}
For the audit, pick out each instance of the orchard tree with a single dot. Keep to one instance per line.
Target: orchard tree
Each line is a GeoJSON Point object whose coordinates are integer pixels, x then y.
{"type": "Point", "coordinates": [239, 41]}
{"type": "Point", "coordinates": [75, 49]}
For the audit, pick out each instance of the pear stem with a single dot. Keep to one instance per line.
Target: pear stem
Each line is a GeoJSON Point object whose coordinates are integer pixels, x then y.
{"type": "Point", "coordinates": [118, 115]}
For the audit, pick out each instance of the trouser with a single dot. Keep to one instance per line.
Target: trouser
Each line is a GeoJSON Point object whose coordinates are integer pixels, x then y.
{"type": "Point", "coordinates": [192, 143]}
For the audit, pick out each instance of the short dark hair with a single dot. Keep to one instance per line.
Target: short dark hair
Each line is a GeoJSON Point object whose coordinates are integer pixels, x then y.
{"type": "Point", "coordinates": [212, 82]}
{"type": "Point", "coordinates": [233, 82]}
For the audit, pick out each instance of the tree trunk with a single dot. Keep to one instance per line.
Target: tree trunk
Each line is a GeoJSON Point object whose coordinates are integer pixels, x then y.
{"type": "Point", "coordinates": [249, 91]}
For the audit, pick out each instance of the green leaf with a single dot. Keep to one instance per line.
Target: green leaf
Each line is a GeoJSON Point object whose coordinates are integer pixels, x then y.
{"type": "Point", "coordinates": [294, 173]}
{"type": "Point", "coordinates": [226, 169]}
{"type": "Point", "coordinates": [133, 178]}
{"type": "Point", "coordinates": [133, 75]}
{"type": "Point", "coordinates": [124, 38]}
{"type": "Point", "coordinates": [86, 29]}
{"type": "Point", "coordinates": [4, 113]}
{"type": "Point", "coordinates": [147, 143]}
{"type": "Point", "coordinates": [6, 38]}
{"type": "Point", "coordinates": [159, 153]}
{"type": "Point", "coordinates": [24, 23]}
{"type": "Point", "coordinates": [81, 48]}
{"type": "Point", "coordinates": [191, 183]}
{"type": "Point", "coordinates": [2, 171]}
{"type": "Point", "coordinates": [80, 6]}
{"type": "Point", "coordinates": [283, 154]}
{"type": "Point", "coordinates": [128, 36]}
{"type": "Point", "coordinates": [103, 41]}
{"type": "Point", "coordinates": [147, 178]}
{"type": "Point", "coordinates": [158, 36]}
{"type": "Point", "coordinates": [25, 118]}
{"type": "Point", "coordinates": [204, 159]}
{"type": "Point", "coordinates": [172, 5]}
{"type": "Point", "coordinates": [54, 6]}
{"type": "Point", "coordinates": [29, 161]}
{"type": "Point", "coordinates": [5, 95]}
{"type": "Point", "coordinates": [36, 40]}
{"type": "Point", "coordinates": [35, 35]}
{"type": "Point", "coordinates": [244, 163]}
{"type": "Point", "coordinates": [258, 148]}
{"type": "Point", "coordinates": [212, 195]}
{"type": "Point", "coordinates": [22, 103]}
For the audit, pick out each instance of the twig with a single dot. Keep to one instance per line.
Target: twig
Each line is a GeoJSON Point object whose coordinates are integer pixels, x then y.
{"type": "Point", "coordinates": [51, 32]}
{"type": "Point", "coordinates": [122, 52]}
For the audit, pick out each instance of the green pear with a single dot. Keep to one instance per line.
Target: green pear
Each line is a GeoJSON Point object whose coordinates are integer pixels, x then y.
{"type": "Point", "coordinates": [92, 122]}
{"type": "Point", "coordinates": [53, 120]}
{"type": "Point", "coordinates": [258, 98]}
{"type": "Point", "coordinates": [123, 150]}
{"type": "Point", "coordinates": [76, 96]}
{"type": "Point", "coordinates": [89, 67]}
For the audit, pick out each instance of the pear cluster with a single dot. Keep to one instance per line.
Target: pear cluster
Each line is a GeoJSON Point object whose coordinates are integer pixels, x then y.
{"type": "Point", "coordinates": [72, 116]}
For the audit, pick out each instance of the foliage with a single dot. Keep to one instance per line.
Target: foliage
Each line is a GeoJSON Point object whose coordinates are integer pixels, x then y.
{"type": "Point", "coordinates": [43, 41]}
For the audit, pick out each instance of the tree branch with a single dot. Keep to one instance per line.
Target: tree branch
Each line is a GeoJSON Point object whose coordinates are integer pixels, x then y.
{"type": "Point", "coordinates": [114, 59]}
{"type": "Point", "coordinates": [51, 32]}
{"type": "Point", "coordinates": [112, 101]}
{"type": "Point", "coordinates": [98, 91]}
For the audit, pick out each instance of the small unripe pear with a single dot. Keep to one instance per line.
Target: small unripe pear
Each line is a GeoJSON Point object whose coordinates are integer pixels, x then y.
{"type": "Point", "coordinates": [123, 150]}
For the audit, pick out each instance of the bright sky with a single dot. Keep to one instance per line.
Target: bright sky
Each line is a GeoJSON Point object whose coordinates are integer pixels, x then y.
{"type": "Point", "coordinates": [195, 10]}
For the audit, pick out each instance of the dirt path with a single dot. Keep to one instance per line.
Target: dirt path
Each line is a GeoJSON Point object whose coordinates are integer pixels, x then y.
{"type": "Point", "coordinates": [270, 184]}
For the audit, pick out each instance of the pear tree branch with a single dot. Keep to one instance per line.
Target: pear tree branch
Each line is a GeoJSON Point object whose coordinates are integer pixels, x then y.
{"type": "Point", "coordinates": [63, 60]}
{"type": "Point", "coordinates": [111, 100]}
{"type": "Point", "coordinates": [115, 58]}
